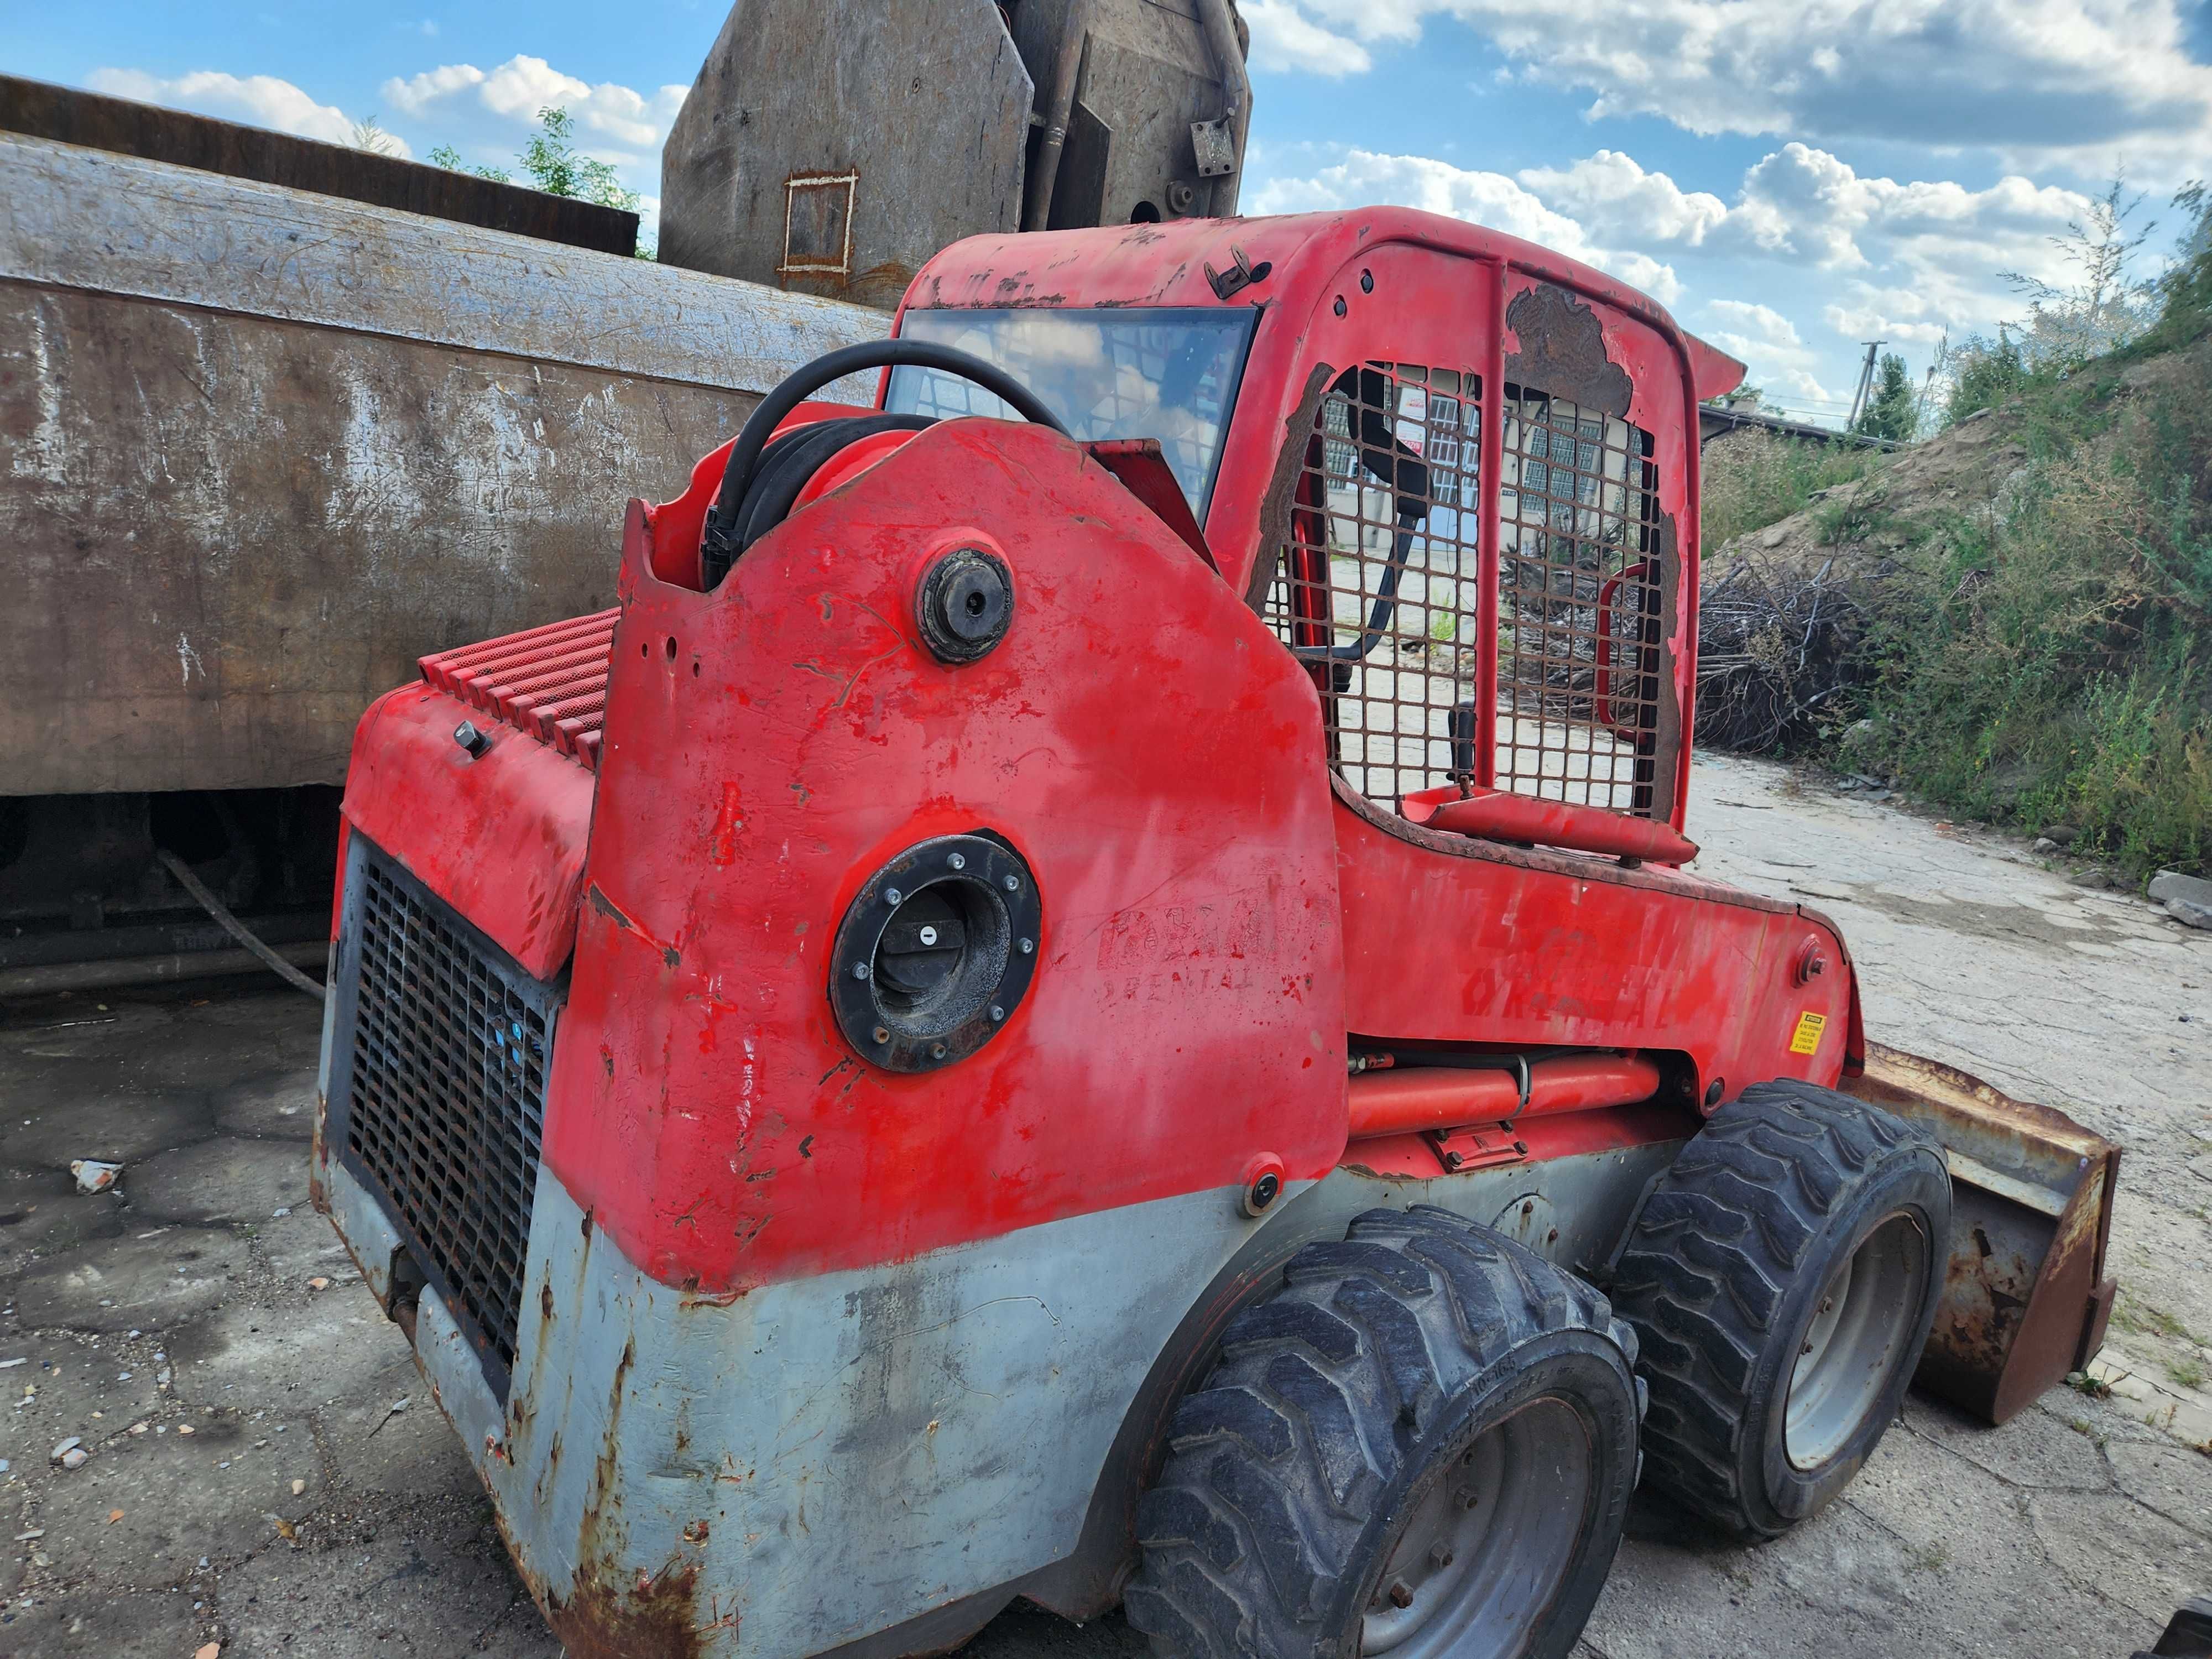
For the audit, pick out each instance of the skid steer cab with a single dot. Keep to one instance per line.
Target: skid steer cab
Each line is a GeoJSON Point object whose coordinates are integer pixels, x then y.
{"type": "Point", "coordinates": [1088, 992]}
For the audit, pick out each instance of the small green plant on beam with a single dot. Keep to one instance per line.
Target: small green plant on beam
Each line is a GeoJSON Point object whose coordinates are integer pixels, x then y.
{"type": "Point", "coordinates": [556, 166]}
{"type": "Point", "coordinates": [445, 155]}
{"type": "Point", "coordinates": [369, 135]}
{"type": "Point", "coordinates": [2189, 1373]}
{"type": "Point", "coordinates": [553, 163]}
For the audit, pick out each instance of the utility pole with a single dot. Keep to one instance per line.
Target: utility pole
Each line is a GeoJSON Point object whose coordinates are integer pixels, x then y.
{"type": "Point", "coordinates": [1866, 382]}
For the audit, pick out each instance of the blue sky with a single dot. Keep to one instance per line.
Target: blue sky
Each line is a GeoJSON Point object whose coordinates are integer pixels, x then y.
{"type": "Point", "coordinates": [1791, 177]}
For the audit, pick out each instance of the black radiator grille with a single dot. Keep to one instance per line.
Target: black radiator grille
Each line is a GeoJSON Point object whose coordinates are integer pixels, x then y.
{"type": "Point", "coordinates": [444, 1102]}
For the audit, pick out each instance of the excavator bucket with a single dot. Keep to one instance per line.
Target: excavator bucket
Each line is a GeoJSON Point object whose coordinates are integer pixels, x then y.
{"type": "Point", "coordinates": [2026, 1297]}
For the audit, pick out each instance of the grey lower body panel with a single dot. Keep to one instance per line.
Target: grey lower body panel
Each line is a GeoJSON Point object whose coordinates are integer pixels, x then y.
{"type": "Point", "coordinates": [816, 1460]}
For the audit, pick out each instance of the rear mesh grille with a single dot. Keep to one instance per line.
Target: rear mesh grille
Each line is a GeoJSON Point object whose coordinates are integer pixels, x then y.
{"type": "Point", "coordinates": [445, 1096]}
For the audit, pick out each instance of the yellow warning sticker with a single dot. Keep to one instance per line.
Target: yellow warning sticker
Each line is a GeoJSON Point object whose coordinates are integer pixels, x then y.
{"type": "Point", "coordinates": [1806, 1041]}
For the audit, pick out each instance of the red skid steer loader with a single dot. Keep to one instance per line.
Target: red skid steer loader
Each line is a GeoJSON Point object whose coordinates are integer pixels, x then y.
{"type": "Point", "coordinates": [1088, 992]}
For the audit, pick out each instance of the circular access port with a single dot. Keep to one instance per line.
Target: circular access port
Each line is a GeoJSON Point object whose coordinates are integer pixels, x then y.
{"type": "Point", "coordinates": [936, 952]}
{"type": "Point", "coordinates": [965, 605]}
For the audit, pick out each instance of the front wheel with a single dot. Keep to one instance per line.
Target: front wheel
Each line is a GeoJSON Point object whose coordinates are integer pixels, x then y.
{"type": "Point", "coordinates": [1783, 1276]}
{"type": "Point", "coordinates": [1422, 1445]}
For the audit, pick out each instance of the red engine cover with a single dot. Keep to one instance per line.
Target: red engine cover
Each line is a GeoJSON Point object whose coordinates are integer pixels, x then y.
{"type": "Point", "coordinates": [1139, 737]}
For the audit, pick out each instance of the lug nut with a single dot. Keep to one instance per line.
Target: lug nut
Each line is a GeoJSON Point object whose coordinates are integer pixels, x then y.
{"type": "Point", "coordinates": [1401, 1594]}
{"type": "Point", "coordinates": [1440, 1556]}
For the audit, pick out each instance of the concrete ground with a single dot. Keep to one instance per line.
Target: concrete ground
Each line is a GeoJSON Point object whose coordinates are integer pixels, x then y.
{"type": "Point", "coordinates": [264, 1470]}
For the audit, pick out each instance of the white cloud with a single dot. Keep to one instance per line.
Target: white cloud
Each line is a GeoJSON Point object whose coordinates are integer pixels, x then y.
{"type": "Point", "coordinates": [259, 100]}
{"type": "Point", "coordinates": [523, 85]}
{"type": "Point", "coordinates": [1364, 179]}
{"type": "Point", "coordinates": [1639, 206]}
{"type": "Point", "coordinates": [1778, 359]}
{"type": "Point", "coordinates": [1283, 37]}
{"type": "Point", "coordinates": [2026, 80]}
{"type": "Point", "coordinates": [1757, 323]}
{"type": "Point", "coordinates": [418, 93]}
{"type": "Point", "coordinates": [1810, 257]}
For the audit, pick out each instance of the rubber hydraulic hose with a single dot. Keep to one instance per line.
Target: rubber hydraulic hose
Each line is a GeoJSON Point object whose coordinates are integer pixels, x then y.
{"type": "Point", "coordinates": [744, 455]}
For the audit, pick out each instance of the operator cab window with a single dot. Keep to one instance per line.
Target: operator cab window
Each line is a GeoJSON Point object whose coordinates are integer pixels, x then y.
{"type": "Point", "coordinates": [1169, 373]}
{"type": "Point", "coordinates": [1379, 591]}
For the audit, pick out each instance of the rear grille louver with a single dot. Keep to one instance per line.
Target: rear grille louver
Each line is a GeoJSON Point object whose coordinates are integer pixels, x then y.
{"type": "Point", "coordinates": [444, 1045]}
{"type": "Point", "coordinates": [550, 682]}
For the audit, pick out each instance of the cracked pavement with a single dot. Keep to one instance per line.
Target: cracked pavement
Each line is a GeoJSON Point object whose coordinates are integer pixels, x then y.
{"type": "Point", "coordinates": [248, 1480]}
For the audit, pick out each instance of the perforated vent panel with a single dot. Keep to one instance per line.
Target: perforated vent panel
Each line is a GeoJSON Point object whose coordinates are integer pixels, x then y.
{"type": "Point", "coordinates": [443, 1105]}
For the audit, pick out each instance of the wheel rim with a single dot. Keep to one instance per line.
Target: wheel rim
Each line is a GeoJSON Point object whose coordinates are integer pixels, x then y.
{"type": "Point", "coordinates": [1857, 1339]}
{"type": "Point", "coordinates": [1474, 1579]}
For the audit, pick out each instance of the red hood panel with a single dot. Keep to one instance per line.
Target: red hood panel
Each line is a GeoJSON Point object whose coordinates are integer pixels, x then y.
{"type": "Point", "coordinates": [500, 837]}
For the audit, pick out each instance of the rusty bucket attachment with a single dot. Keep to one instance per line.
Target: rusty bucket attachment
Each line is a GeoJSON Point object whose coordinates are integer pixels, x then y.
{"type": "Point", "coordinates": [2024, 1295]}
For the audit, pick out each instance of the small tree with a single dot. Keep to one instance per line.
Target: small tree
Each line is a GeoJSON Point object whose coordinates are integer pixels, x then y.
{"type": "Point", "coordinates": [1893, 413]}
{"type": "Point", "coordinates": [553, 163]}
{"type": "Point", "coordinates": [445, 155]}
{"type": "Point", "coordinates": [2105, 302]}
{"type": "Point", "coordinates": [557, 168]}
{"type": "Point", "coordinates": [369, 135]}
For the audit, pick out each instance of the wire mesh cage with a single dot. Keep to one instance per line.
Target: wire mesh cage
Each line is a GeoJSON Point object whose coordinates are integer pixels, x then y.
{"type": "Point", "coordinates": [1379, 590]}
{"type": "Point", "coordinates": [1579, 589]}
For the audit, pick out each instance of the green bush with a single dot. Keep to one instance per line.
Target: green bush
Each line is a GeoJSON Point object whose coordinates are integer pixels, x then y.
{"type": "Point", "coordinates": [1752, 479]}
{"type": "Point", "coordinates": [2046, 659]}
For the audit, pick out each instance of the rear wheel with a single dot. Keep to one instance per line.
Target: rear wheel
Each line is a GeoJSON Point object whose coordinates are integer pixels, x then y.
{"type": "Point", "coordinates": [1422, 1445]}
{"type": "Point", "coordinates": [1782, 1278]}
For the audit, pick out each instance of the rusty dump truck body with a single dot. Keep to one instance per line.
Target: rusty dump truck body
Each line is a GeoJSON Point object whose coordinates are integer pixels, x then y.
{"type": "Point", "coordinates": [268, 446]}
{"type": "Point", "coordinates": [834, 1057]}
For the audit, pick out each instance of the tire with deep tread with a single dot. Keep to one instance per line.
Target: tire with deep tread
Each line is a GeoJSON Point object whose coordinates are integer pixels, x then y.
{"type": "Point", "coordinates": [1721, 1276]}
{"type": "Point", "coordinates": [1337, 1402]}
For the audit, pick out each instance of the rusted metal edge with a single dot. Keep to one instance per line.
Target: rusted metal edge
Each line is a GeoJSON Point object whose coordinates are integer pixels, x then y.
{"type": "Point", "coordinates": [122, 226]}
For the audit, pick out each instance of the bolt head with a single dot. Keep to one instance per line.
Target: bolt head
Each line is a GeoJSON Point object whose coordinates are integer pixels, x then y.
{"type": "Point", "coordinates": [958, 861]}
{"type": "Point", "coordinates": [1440, 1556]}
{"type": "Point", "coordinates": [1028, 945]}
{"type": "Point", "coordinates": [859, 971]}
{"type": "Point", "coordinates": [1013, 883]}
{"type": "Point", "coordinates": [1401, 1594]}
{"type": "Point", "coordinates": [997, 1012]}
{"type": "Point", "coordinates": [892, 895]}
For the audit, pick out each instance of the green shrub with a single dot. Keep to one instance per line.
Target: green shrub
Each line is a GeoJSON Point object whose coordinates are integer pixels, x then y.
{"type": "Point", "coordinates": [2049, 662]}
{"type": "Point", "coordinates": [1752, 479]}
